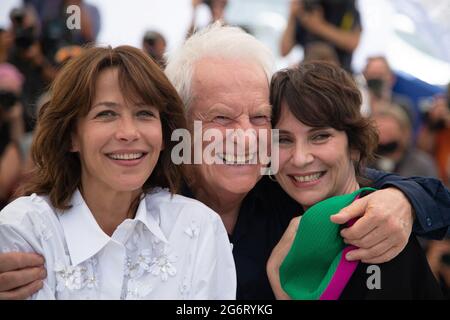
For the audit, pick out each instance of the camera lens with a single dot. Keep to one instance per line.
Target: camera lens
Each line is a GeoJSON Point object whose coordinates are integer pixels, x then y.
{"type": "Point", "coordinates": [17, 15]}
{"type": "Point", "coordinates": [25, 37]}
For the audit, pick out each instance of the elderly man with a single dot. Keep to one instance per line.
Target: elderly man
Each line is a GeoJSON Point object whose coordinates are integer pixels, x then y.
{"type": "Point", "coordinates": [223, 76]}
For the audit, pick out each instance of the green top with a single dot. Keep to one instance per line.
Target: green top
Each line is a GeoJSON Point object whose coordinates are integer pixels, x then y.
{"type": "Point", "coordinates": [316, 252]}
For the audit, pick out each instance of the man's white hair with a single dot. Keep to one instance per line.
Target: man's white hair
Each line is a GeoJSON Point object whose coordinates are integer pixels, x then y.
{"type": "Point", "coordinates": [215, 41]}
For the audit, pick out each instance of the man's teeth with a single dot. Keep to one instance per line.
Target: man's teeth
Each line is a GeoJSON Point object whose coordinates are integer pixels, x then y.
{"type": "Point", "coordinates": [237, 159]}
{"type": "Point", "coordinates": [125, 156]}
{"type": "Point", "coordinates": [309, 178]}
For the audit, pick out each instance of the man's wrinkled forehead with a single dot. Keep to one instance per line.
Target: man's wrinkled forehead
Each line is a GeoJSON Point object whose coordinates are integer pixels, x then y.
{"type": "Point", "coordinates": [217, 71]}
{"type": "Point", "coordinates": [217, 78]}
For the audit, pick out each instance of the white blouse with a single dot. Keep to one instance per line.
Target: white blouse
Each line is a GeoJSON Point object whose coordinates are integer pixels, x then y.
{"type": "Point", "coordinates": [175, 248]}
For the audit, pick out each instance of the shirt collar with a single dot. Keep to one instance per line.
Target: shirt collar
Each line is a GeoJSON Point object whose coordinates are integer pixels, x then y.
{"type": "Point", "coordinates": [84, 236]}
{"type": "Point", "coordinates": [150, 220]}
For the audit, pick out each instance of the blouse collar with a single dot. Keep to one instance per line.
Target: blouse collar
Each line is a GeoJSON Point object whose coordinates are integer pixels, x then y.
{"type": "Point", "coordinates": [83, 235]}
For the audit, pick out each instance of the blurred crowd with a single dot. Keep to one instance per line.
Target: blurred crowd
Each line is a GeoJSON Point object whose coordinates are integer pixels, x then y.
{"type": "Point", "coordinates": [412, 117]}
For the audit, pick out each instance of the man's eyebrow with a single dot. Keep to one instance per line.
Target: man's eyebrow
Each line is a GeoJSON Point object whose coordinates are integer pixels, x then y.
{"type": "Point", "coordinates": [219, 108]}
{"type": "Point", "coordinates": [266, 108]}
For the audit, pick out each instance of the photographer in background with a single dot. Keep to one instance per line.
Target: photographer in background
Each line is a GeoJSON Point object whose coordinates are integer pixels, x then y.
{"type": "Point", "coordinates": [216, 8]}
{"type": "Point", "coordinates": [154, 45]}
{"type": "Point", "coordinates": [435, 134]}
{"type": "Point", "coordinates": [396, 152]}
{"type": "Point", "coordinates": [56, 34]}
{"type": "Point", "coordinates": [11, 130]}
{"type": "Point", "coordinates": [27, 56]}
{"type": "Point", "coordinates": [336, 22]}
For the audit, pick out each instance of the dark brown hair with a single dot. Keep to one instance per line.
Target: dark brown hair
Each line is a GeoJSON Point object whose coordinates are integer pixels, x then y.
{"type": "Point", "coordinates": [58, 170]}
{"type": "Point", "coordinates": [320, 94]}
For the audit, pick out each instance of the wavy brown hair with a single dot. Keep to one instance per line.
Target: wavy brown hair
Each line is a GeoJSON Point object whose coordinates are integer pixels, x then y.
{"type": "Point", "coordinates": [58, 170]}
{"type": "Point", "coordinates": [320, 94]}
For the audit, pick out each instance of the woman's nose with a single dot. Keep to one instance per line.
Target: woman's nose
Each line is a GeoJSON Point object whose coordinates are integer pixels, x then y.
{"type": "Point", "coordinates": [127, 130]}
{"type": "Point", "coordinates": [302, 156]}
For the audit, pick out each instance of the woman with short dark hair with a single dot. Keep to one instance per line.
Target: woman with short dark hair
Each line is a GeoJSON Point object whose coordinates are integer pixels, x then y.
{"type": "Point", "coordinates": [324, 143]}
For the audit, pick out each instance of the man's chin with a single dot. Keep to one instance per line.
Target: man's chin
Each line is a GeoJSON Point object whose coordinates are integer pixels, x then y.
{"type": "Point", "coordinates": [239, 184]}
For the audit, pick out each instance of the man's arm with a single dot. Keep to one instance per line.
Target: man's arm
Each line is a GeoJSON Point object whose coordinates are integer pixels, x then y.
{"type": "Point", "coordinates": [429, 198]}
{"type": "Point", "coordinates": [387, 216]}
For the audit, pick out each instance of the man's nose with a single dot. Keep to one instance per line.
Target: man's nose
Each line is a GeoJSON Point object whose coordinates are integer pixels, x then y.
{"type": "Point", "coordinates": [245, 136]}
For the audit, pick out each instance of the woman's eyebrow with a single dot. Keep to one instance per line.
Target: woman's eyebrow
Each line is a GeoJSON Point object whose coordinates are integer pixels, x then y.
{"type": "Point", "coordinates": [314, 129]}
{"type": "Point", "coordinates": [283, 131]}
{"type": "Point", "coordinates": [106, 104]}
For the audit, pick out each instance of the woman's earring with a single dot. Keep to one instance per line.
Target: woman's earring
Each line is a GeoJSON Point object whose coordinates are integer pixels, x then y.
{"type": "Point", "coordinates": [271, 177]}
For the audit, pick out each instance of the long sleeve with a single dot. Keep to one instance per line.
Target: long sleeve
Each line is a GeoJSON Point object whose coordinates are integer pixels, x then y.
{"type": "Point", "coordinates": [428, 196]}
{"type": "Point", "coordinates": [18, 236]}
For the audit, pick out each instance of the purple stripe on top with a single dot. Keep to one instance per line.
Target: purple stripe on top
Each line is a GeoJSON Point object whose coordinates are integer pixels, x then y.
{"type": "Point", "coordinates": [342, 275]}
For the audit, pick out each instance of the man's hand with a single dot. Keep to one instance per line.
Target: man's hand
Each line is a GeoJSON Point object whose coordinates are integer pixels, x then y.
{"type": "Point", "coordinates": [384, 228]}
{"type": "Point", "coordinates": [21, 275]}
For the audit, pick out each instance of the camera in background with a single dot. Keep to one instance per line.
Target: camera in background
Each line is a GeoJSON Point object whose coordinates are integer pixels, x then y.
{"type": "Point", "coordinates": [25, 36]}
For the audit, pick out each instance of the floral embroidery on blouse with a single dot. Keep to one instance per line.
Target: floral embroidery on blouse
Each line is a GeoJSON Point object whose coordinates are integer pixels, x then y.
{"type": "Point", "coordinates": [164, 253]}
{"type": "Point", "coordinates": [141, 264]}
{"type": "Point", "coordinates": [76, 277]}
{"type": "Point", "coordinates": [163, 265]}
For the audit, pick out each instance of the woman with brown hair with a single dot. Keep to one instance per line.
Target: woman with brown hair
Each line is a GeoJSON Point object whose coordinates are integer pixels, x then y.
{"type": "Point", "coordinates": [100, 206]}
{"type": "Point", "coordinates": [324, 142]}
